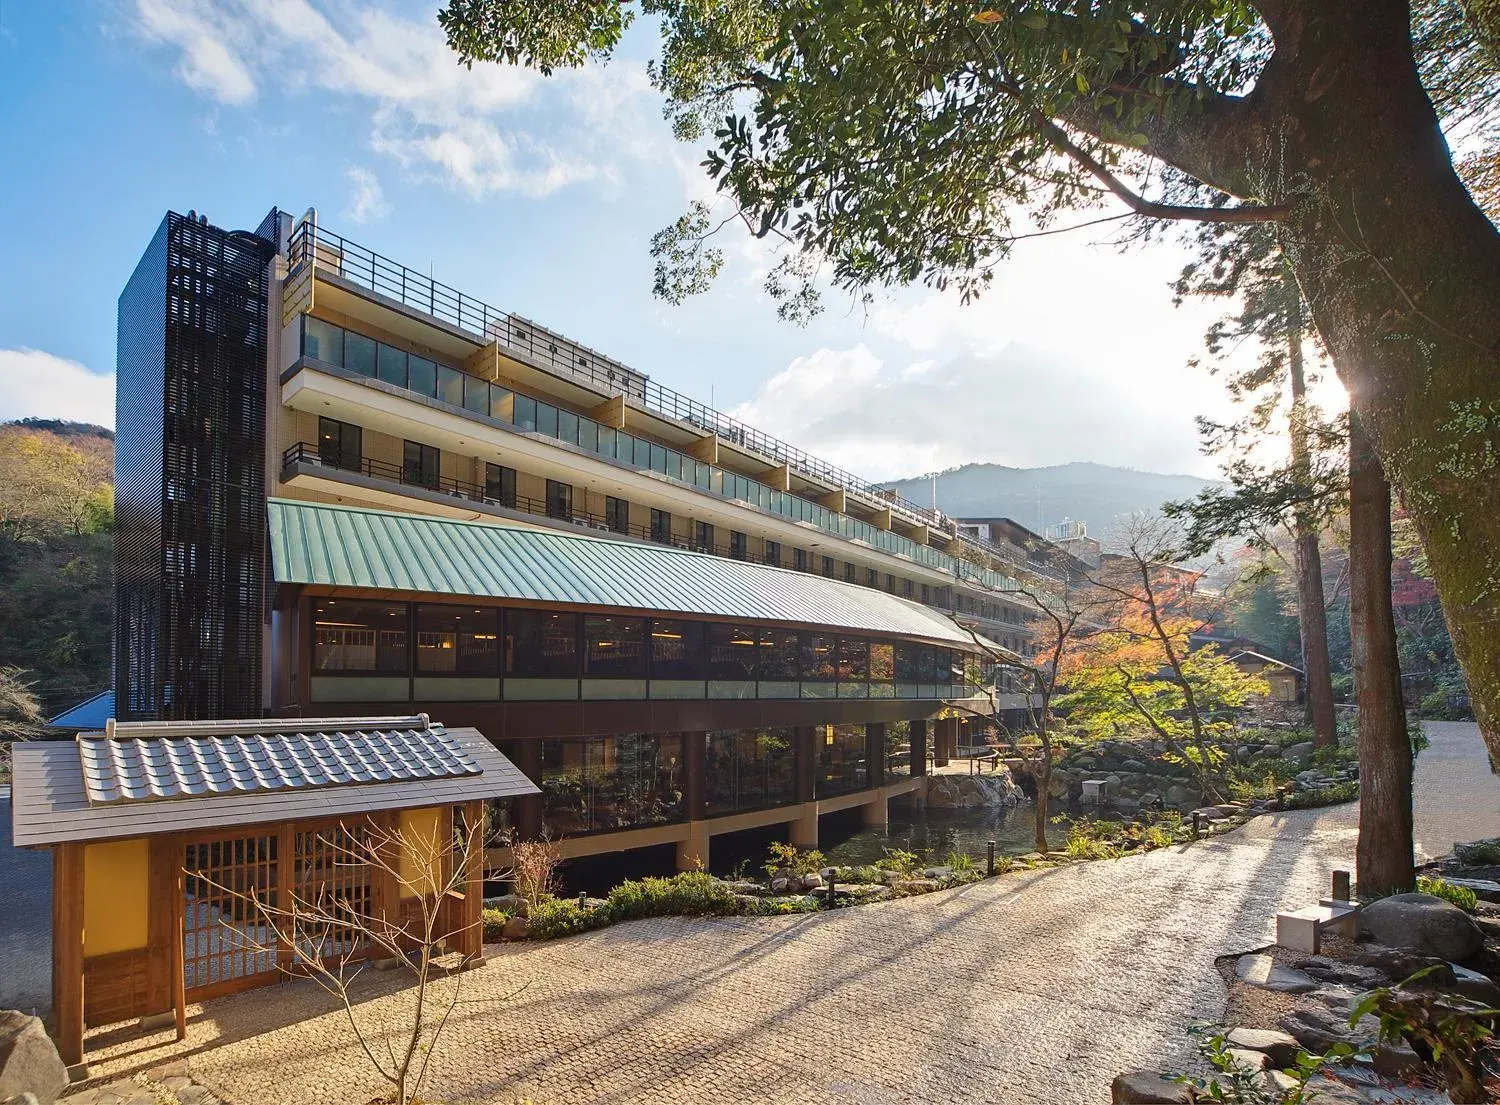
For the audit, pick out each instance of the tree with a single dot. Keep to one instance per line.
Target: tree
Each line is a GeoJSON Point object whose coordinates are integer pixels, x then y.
{"type": "Point", "coordinates": [322, 932]}
{"type": "Point", "coordinates": [893, 141]}
{"type": "Point", "coordinates": [1383, 855]}
{"type": "Point", "coordinates": [47, 484]}
{"type": "Point", "coordinates": [1248, 262]}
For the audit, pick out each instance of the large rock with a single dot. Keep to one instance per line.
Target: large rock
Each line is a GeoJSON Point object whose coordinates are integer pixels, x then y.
{"type": "Point", "coordinates": [1279, 1047]}
{"type": "Point", "coordinates": [1263, 971]}
{"type": "Point", "coordinates": [29, 1062]}
{"type": "Point", "coordinates": [1142, 1087]}
{"type": "Point", "coordinates": [1424, 922]}
{"type": "Point", "coordinates": [1298, 751]}
{"type": "Point", "coordinates": [1315, 1030]}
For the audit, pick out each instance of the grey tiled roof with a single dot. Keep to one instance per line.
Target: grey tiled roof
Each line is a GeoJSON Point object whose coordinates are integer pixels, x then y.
{"type": "Point", "coordinates": [120, 768]}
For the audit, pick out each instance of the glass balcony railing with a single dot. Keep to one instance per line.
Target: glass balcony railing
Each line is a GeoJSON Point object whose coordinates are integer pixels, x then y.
{"type": "Point", "coordinates": [364, 356]}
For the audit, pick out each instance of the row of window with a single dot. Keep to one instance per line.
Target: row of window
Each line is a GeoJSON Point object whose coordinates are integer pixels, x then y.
{"type": "Point", "coordinates": [340, 446]}
{"type": "Point", "coordinates": [605, 784]}
{"type": "Point", "coordinates": [357, 353]}
{"type": "Point", "coordinates": [356, 636]}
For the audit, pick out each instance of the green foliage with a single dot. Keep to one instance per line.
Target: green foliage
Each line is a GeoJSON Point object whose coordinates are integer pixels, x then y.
{"type": "Point", "coordinates": [1460, 896]}
{"type": "Point", "coordinates": [1234, 1083]}
{"type": "Point", "coordinates": [1448, 1027]}
{"type": "Point", "coordinates": [788, 857]}
{"type": "Point", "coordinates": [781, 907]}
{"type": "Point", "coordinates": [900, 861]}
{"type": "Point", "coordinates": [1480, 853]}
{"type": "Point", "coordinates": [1324, 796]}
{"type": "Point", "coordinates": [687, 894]}
{"type": "Point", "coordinates": [556, 917]}
{"type": "Point", "coordinates": [494, 924]}
{"type": "Point", "coordinates": [1090, 839]}
{"type": "Point", "coordinates": [866, 872]}
{"type": "Point", "coordinates": [961, 862]}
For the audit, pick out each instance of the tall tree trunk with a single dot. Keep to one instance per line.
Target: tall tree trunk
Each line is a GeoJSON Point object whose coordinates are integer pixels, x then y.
{"type": "Point", "coordinates": [1312, 615]}
{"type": "Point", "coordinates": [1400, 270]}
{"type": "Point", "coordinates": [1384, 853]}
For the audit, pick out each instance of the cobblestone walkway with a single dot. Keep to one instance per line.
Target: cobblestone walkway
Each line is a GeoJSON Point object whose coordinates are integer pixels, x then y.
{"type": "Point", "coordinates": [1035, 987]}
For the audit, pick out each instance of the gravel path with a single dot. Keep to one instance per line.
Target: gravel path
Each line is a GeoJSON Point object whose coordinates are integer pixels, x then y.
{"type": "Point", "coordinates": [1036, 987]}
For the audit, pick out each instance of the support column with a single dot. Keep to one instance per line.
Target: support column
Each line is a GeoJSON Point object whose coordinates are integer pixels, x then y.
{"type": "Point", "coordinates": [877, 814]}
{"type": "Point", "coordinates": [919, 747]}
{"type": "Point", "coordinates": [875, 753]}
{"type": "Point", "coordinates": [67, 951]}
{"type": "Point", "coordinates": [161, 864]}
{"type": "Point", "coordinates": [472, 939]}
{"type": "Point", "coordinates": [692, 853]}
{"type": "Point", "coordinates": [529, 807]}
{"type": "Point", "coordinates": [941, 741]}
{"type": "Point", "coordinates": [803, 831]}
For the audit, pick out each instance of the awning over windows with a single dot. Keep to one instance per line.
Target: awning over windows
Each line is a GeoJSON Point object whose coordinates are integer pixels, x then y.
{"type": "Point", "coordinates": [340, 546]}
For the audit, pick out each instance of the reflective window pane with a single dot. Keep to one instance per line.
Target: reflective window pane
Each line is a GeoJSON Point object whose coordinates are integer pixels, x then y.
{"type": "Point", "coordinates": [476, 395]}
{"type": "Point", "coordinates": [525, 412]}
{"type": "Point", "coordinates": [322, 340]}
{"type": "Point", "coordinates": [780, 654]}
{"type": "Point", "coordinates": [819, 659]}
{"type": "Point", "coordinates": [421, 376]}
{"type": "Point", "coordinates": [391, 365]}
{"type": "Point", "coordinates": [602, 784]}
{"type": "Point", "coordinates": [359, 353]}
{"type": "Point", "coordinates": [541, 643]}
{"type": "Point", "coordinates": [614, 646]}
{"type": "Point", "coordinates": [458, 640]}
{"type": "Point", "coordinates": [359, 636]}
{"type": "Point", "coordinates": [854, 660]}
{"type": "Point", "coordinates": [841, 758]}
{"type": "Point", "coordinates": [450, 385]}
{"type": "Point", "coordinates": [546, 419]}
{"type": "Point", "coordinates": [731, 652]}
{"type": "Point", "coordinates": [677, 649]}
{"type": "Point", "coordinates": [746, 769]}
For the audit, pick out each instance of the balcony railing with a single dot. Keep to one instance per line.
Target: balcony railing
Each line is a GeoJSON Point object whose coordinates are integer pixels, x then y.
{"type": "Point", "coordinates": [310, 454]}
{"type": "Point", "coordinates": [369, 269]}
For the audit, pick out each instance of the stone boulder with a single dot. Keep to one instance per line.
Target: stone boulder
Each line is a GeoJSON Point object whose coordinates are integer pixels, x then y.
{"type": "Point", "coordinates": [1265, 972]}
{"type": "Point", "coordinates": [1142, 1087]}
{"type": "Point", "coordinates": [516, 928]}
{"type": "Point", "coordinates": [29, 1062]}
{"type": "Point", "coordinates": [1279, 1047]}
{"type": "Point", "coordinates": [1300, 751]}
{"type": "Point", "coordinates": [1424, 922]}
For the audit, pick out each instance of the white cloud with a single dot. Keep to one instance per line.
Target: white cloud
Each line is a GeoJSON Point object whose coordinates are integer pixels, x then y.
{"type": "Point", "coordinates": [34, 384]}
{"type": "Point", "coordinates": [483, 129]}
{"type": "Point", "coordinates": [367, 200]}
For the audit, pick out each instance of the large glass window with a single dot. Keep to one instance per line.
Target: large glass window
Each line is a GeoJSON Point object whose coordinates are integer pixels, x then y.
{"type": "Point", "coordinates": [421, 464]}
{"type": "Point", "coordinates": [703, 534]}
{"type": "Point", "coordinates": [500, 484]}
{"type": "Point", "coordinates": [450, 385]}
{"type": "Point", "coordinates": [540, 643]}
{"type": "Point", "coordinates": [391, 365]}
{"type": "Point", "coordinates": [458, 640]}
{"type": "Point", "coordinates": [908, 662]}
{"type": "Point", "coordinates": [661, 526]}
{"type": "Point", "coordinates": [731, 652]}
{"type": "Point", "coordinates": [339, 444]}
{"type": "Point", "coordinates": [841, 758]}
{"type": "Point", "coordinates": [617, 514]}
{"type": "Point", "coordinates": [600, 784]}
{"type": "Point", "coordinates": [614, 646]}
{"type": "Point", "coordinates": [359, 636]}
{"type": "Point", "coordinates": [927, 665]}
{"type": "Point", "coordinates": [525, 412]}
{"type": "Point", "coordinates": [421, 376]}
{"type": "Point", "coordinates": [739, 544]}
{"type": "Point", "coordinates": [882, 661]}
{"type": "Point", "coordinates": [854, 660]}
{"type": "Point", "coordinates": [897, 749]}
{"type": "Point", "coordinates": [677, 650]}
{"type": "Point", "coordinates": [773, 553]}
{"type": "Point", "coordinates": [819, 657]}
{"type": "Point", "coordinates": [546, 419]}
{"type": "Point", "coordinates": [559, 499]}
{"type": "Point", "coordinates": [359, 353]}
{"type": "Point", "coordinates": [747, 769]}
{"type": "Point", "coordinates": [322, 340]}
{"type": "Point", "coordinates": [567, 427]}
{"type": "Point", "coordinates": [780, 654]}
{"type": "Point", "coordinates": [476, 395]}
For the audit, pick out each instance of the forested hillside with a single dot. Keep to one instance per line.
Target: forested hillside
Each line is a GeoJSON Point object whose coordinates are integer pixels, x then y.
{"type": "Point", "coordinates": [56, 565]}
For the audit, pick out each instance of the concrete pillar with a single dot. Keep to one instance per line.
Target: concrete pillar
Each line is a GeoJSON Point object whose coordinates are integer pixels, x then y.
{"type": "Point", "coordinates": [692, 853]}
{"type": "Point", "coordinates": [875, 753]}
{"type": "Point", "coordinates": [919, 747]}
{"type": "Point", "coordinates": [877, 813]}
{"type": "Point", "coordinates": [941, 741]}
{"type": "Point", "coordinates": [803, 830]}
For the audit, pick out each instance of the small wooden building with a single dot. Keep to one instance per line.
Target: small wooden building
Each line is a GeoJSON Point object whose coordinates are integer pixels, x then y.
{"type": "Point", "coordinates": [1284, 680]}
{"type": "Point", "coordinates": [165, 835]}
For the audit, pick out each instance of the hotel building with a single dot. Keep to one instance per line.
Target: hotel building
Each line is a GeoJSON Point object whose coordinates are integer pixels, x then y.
{"type": "Point", "coordinates": [345, 489]}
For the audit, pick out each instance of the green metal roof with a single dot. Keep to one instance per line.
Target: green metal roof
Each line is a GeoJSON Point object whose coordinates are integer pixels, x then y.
{"type": "Point", "coordinates": [340, 546]}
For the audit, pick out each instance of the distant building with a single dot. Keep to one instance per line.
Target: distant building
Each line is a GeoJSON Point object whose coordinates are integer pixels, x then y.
{"type": "Point", "coordinates": [1286, 682]}
{"type": "Point", "coordinates": [1074, 538]}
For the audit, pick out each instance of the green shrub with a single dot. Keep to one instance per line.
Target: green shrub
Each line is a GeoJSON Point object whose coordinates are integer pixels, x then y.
{"type": "Point", "coordinates": [1480, 853]}
{"type": "Point", "coordinates": [494, 924]}
{"type": "Point", "coordinates": [780, 907]}
{"type": "Point", "coordinates": [1324, 796]}
{"type": "Point", "coordinates": [961, 862]}
{"type": "Point", "coordinates": [865, 872]}
{"type": "Point", "coordinates": [554, 917]}
{"type": "Point", "coordinates": [899, 860]}
{"type": "Point", "coordinates": [688, 894]}
{"type": "Point", "coordinates": [1090, 839]}
{"type": "Point", "coordinates": [790, 857]}
{"type": "Point", "coordinates": [1460, 896]}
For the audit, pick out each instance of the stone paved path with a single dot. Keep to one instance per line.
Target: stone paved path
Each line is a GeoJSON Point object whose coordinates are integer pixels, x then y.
{"type": "Point", "coordinates": [1035, 987]}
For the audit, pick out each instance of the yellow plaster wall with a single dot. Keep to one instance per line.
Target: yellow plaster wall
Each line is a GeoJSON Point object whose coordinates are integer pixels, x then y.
{"type": "Point", "coordinates": [419, 828]}
{"type": "Point", "coordinates": [115, 888]}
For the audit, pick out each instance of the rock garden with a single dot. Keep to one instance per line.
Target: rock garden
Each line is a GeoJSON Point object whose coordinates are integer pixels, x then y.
{"type": "Point", "coordinates": [1401, 1007]}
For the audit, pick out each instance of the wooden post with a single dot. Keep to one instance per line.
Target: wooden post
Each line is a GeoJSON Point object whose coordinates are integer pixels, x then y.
{"type": "Point", "coordinates": [179, 967]}
{"type": "Point", "coordinates": [160, 931]}
{"type": "Point", "coordinates": [286, 876]}
{"type": "Point", "coordinates": [473, 948]}
{"type": "Point", "coordinates": [67, 951]}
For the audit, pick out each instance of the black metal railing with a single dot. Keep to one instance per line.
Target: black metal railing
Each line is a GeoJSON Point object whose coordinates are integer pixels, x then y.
{"type": "Point", "coordinates": [369, 269]}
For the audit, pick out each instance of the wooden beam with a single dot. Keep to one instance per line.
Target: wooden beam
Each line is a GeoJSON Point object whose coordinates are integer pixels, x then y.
{"type": "Point", "coordinates": [286, 886]}
{"type": "Point", "coordinates": [67, 951]}
{"type": "Point", "coordinates": [179, 951]}
{"type": "Point", "coordinates": [160, 947]}
{"type": "Point", "coordinates": [705, 449]}
{"type": "Point", "coordinates": [611, 412]}
{"type": "Point", "coordinates": [837, 500]}
{"type": "Point", "coordinates": [485, 362]}
{"type": "Point", "coordinates": [473, 941]}
{"type": "Point", "coordinates": [778, 478]}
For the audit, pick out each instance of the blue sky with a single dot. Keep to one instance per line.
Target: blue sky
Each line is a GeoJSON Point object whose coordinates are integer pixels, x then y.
{"type": "Point", "coordinates": [539, 196]}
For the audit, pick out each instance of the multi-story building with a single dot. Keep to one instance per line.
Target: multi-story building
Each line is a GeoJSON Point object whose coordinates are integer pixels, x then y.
{"type": "Point", "coordinates": [347, 488]}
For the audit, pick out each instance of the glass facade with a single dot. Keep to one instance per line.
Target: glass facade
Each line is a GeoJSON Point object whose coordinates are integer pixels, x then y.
{"type": "Point", "coordinates": [842, 765]}
{"type": "Point", "coordinates": [746, 769]}
{"type": "Point", "coordinates": [678, 649]}
{"type": "Point", "coordinates": [458, 640]}
{"type": "Point", "coordinates": [602, 784]}
{"type": "Point", "coordinates": [614, 646]}
{"type": "Point", "coordinates": [347, 349]}
{"type": "Point", "coordinates": [359, 637]}
{"type": "Point", "coordinates": [540, 643]}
